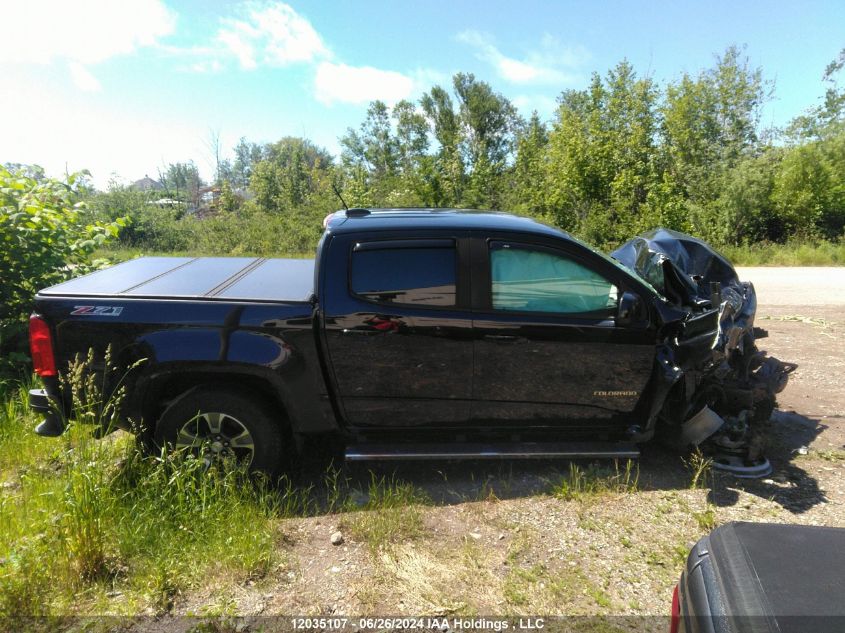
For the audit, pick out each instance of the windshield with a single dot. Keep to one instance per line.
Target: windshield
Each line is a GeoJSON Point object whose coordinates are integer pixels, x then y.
{"type": "Point", "coordinates": [617, 264]}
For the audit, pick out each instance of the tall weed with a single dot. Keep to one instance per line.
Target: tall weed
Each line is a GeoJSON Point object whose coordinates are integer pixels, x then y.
{"type": "Point", "coordinates": [101, 513]}
{"type": "Point", "coordinates": [584, 483]}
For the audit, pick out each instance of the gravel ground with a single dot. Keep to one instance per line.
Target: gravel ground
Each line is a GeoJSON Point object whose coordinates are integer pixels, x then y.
{"type": "Point", "coordinates": [495, 542]}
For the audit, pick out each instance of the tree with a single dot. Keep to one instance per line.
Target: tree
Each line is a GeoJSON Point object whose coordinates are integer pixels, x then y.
{"type": "Point", "coordinates": [447, 168]}
{"type": "Point", "coordinates": [289, 175]}
{"type": "Point", "coordinates": [213, 145]}
{"type": "Point", "coordinates": [246, 156]}
{"type": "Point", "coordinates": [489, 125]}
{"type": "Point", "coordinates": [182, 182]}
{"type": "Point", "coordinates": [374, 147]}
{"type": "Point", "coordinates": [411, 136]}
{"type": "Point", "coordinates": [827, 119]}
{"type": "Point", "coordinates": [630, 127]}
{"type": "Point", "coordinates": [809, 188]}
{"type": "Point", "coordinates": [690, 132]}
{"type": "Point", "coordinates": [602, 155]}
{"type": "Point", "coordinates": [573, 170]}
{"type": "Point", "coordinates": [489, 121]}
{"type": "Point", "coordinates": [745, 210]}
{"type": "Point", "coordinates": [528, 175]}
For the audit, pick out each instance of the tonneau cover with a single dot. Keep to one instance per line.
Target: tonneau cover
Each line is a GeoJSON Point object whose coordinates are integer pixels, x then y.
{"type": "Point", "coordinates": [220, 278]}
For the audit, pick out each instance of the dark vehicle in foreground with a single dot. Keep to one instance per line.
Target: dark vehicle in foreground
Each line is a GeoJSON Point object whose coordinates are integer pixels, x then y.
{"type": "Point", "coordinates": [425, 334]}
{"type": "Point", "coordinates": [763, 578]}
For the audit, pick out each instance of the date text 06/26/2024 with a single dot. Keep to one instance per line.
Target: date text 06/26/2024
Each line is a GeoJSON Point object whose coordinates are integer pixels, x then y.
{"type": "Point", "coordinates": [419, 623]}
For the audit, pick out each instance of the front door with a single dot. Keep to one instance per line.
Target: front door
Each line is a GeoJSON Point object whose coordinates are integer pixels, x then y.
{"type": "Point", "coordinates": [548, 351]}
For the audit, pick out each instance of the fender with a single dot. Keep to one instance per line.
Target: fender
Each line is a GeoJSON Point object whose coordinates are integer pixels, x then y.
{"type": "Point", "coordinates": [155, 386]}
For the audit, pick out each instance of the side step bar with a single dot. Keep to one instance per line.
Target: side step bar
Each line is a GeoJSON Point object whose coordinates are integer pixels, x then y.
{"type": "Point", "coordinates": [520, 450]}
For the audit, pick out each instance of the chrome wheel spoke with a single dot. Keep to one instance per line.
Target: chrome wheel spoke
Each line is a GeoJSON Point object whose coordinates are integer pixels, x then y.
{"type": "Point", "coordinates": [214, 421]}
{"type": "Point", "coordinates": [186, 438]}
{"type": "Point", "coordinates": [242, 440]}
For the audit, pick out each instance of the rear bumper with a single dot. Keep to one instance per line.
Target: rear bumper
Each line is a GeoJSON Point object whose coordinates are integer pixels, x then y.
{"type": "Point", "coordinates": [44, 402]}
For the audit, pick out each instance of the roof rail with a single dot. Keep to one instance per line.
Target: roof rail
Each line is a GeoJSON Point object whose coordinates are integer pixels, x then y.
{"type": "Point", "coordinates": [357, 212]}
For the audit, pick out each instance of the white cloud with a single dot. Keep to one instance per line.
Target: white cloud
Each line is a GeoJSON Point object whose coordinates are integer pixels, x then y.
{"type": "Point", "coordinates": [205, 66]}
{"type": "Point", "coordinates": [41, 125]}
{"type": "Point", "coordinates": [551, 63]}
{"type": "Point", "coordinates": [271, 33]}
{"type": "Point", "coordinates": [360, 84]}
{"type": "Point", "coordinates": [80, 33]}
{"type": "Point", "coordinates": [83, 78]}
{"type": "Point", "coordinates": [240, 45]}
{"type": "Point", "coordinates": [84, 31]}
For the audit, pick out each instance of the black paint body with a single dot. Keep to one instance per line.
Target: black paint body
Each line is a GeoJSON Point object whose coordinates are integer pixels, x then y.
{"type": "Point", "coordinates": [354, 364]}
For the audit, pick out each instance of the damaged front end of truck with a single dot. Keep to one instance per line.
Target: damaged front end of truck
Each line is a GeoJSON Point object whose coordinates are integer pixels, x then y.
{"type": "Point", "coordinates": [716, 389]}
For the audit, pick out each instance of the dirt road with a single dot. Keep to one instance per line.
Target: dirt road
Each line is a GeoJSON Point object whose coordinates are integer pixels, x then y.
{"type": "Point", "coordinates": [494, 539]}
{"type": "Point", "coordinates": [778, 286]}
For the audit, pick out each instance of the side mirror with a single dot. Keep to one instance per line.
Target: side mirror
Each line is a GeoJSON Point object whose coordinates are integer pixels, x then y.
{"type": "Point", "coordinates": [630, 309]}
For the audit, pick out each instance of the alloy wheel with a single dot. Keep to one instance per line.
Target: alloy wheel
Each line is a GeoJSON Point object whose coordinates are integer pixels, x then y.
{"type": "Point", "coordinates": [217, 436]}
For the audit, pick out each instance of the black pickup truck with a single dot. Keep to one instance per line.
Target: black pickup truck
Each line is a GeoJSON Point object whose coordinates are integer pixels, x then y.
{"type": "Point", "coordinates": [424, 333]}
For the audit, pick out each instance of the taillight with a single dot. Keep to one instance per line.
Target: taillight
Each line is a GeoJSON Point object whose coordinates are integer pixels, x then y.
{"type": "Point", "coordinates": [41, 347]}
{"type": "Point", "coordinates": [675, 621]}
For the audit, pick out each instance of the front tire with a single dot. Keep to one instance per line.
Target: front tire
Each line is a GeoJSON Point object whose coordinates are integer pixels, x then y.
{"type": "Point", "coordinates": [218, 424]}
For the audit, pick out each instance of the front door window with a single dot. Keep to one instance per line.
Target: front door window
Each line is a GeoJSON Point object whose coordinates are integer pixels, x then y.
{"type": "Point", "coordinates": [528, 279]}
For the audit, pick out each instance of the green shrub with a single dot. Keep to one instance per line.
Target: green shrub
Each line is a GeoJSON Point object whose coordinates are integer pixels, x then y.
{"type": "Point", "coordinates": [46, 236]}
{"type": "Point", "coordinates": [150, 225]}
{"type": "Point", "coordinates": [795, 253]}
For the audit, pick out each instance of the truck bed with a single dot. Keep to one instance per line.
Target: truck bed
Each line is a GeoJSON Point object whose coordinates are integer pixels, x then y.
{"type": "Point", "coordinates": [210, 278]}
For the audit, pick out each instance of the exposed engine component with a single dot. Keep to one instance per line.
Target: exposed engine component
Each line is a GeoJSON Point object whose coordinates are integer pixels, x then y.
{"type": "Point", "coordinates": [700, 426]}
{"type": "Point", "coordinates": [719, 401]}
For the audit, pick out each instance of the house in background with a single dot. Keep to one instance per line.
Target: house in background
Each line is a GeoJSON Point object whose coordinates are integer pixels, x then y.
{"type": "Point", "coordinates": [147, 184]}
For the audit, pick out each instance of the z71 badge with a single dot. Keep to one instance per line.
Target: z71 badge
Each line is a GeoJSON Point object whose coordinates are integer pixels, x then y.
{"type": "Point", "coordinates": [96, 310]}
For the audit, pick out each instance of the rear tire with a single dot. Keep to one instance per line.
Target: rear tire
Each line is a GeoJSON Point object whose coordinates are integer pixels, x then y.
{"type": "Point", "coordinates": [217, 424]}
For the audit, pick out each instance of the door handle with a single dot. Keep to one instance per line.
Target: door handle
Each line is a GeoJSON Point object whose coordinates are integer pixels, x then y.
{"type": "Point", "coordinates": [501, 338]}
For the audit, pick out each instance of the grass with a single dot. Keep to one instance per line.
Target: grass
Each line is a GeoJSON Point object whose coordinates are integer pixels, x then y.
{"type": "Point", "coordinates": [588, 483]}
{"type": "Point", "coordinates": [83, 519]}
{"type": "Point", "coordinates": [672, 556]}
{"type": "Point", "coordinates": [706, 519]}
{"type": "Point", "coordinates": [543, 590]}
{"type": "Point", "coordinates": [832, 455]}
{"type": "Point", "coordinates": [700, 469]}
{"type": "Point", "coordinates": [391, 514]}
{"type": "Point", "coordinates": [821, 253]}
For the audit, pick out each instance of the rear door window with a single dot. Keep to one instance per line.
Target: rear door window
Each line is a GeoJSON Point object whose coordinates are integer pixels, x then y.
{"type": "Point", "coordinates": [423, 273]}
{"type": "Point", "coordinates": [535, 279]}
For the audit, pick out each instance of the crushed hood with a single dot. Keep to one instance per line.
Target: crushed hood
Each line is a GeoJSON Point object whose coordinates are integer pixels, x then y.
{"type": "Point", "coordinates": [679, 266]}
{"type": "Point", "coordinates": [686, 271]}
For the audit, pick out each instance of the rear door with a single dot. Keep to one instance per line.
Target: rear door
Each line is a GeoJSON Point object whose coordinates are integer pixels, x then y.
{"type": "Point", "coordinates": [399, 330]}
{"type": "Point", "coordinates": [548, 351]}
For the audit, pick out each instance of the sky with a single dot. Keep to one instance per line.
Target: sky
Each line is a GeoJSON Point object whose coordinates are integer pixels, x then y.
{"type": "Point", "coordinates": [123, 87]}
